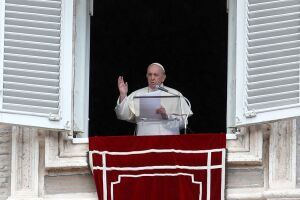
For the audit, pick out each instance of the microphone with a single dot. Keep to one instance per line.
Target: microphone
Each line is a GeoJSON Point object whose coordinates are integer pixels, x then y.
{"type": "Point", "coordinates": [158, 87]}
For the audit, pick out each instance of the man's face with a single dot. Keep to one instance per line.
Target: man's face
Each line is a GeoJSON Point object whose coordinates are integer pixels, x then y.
{"type": "Point", "coordinates": [155, 76]}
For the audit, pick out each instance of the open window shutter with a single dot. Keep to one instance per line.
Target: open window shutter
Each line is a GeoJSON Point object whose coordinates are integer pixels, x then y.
{"type": "Point", "coordinates": [36, 63]}
{"type": "Point", "coordinates": [267, 60]}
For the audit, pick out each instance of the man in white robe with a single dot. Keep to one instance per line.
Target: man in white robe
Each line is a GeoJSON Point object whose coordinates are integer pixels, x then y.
{"type": "Point", "coordinates": [173, 114]}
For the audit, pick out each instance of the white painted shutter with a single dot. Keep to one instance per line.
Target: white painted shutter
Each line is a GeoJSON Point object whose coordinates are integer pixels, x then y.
{"type": "Point", "coordinates": [267, 60]}
{"type": "Point", "coordinates": [36, 62]}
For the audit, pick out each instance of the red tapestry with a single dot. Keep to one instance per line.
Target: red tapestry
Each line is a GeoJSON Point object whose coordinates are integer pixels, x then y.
{"type": "Point", "coordinates": [183, 167]}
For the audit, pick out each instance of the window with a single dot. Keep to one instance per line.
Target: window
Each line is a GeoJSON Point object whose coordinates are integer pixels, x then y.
{"type": "Point", "coordinates": [189, 38]}
{"type": "Point", "coordinates": [37, 67]}
{"type": "Point", "coordinates": [264, 47]}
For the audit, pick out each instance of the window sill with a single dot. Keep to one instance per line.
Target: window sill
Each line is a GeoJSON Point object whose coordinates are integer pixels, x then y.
{"type": "Point", "coordinates": [80, 140]}
{"type": "Point", "coordinates": [231, 136]}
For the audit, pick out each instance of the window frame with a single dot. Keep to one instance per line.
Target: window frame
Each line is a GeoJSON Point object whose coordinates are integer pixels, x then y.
{"type": "Point", "coordinates": [64, 122]}
{"type": "Point", "coordinates": [231, 71]}
{"type": "Point", "coordinates": [83, 11]}
{"type": "Point", "coordinates": [237, 75]}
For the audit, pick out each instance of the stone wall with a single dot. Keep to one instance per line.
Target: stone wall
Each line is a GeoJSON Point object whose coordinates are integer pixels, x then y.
{"type": "Point", "coordinates": [5, 155]}
{"type": "Point", "coordinates": [262, 164]}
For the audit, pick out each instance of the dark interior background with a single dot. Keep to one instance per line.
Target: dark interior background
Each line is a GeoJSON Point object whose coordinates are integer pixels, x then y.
{"type": "Point", "coordinates": [188, 37]}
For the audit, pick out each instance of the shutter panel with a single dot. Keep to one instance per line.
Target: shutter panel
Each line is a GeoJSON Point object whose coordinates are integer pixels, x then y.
{"type": "Point", "coordinates": [268, 54]}
{"type": "Point", "coordinates": [36, 72]}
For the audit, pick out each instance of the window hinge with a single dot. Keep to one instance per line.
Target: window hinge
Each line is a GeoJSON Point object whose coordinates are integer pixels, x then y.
{"type": "Point", "coordinates": [91, 7]}
{"type": "Point", "coordinates": [54, 117]}
{"type": "Point", "coordinates": [234, 130]}
{"type": "Point", "coordinates": [67, 126]}
{"type": "Point", "coordinates": [250, 114]}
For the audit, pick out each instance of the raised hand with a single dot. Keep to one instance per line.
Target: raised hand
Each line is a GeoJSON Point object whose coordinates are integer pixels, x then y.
{"type": "Point", "coordinates": [123, 88]}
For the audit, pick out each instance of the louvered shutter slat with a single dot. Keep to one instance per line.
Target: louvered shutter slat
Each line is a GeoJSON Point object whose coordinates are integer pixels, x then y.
{"type": "Point", "coordinates": [272, 97]}
{"type": "Point", "coordinates": [32, 9]}
{"type": "Point", "coordinates": [272, 83]}
{"type": "Point", "coordinates": [31, 66]}
{"type": "Point", "coordinates": [30, 80]}
{"type": "Point", "coordinates": [275, 103]}
{"type": "Point", "coordinates": [264, 5]}
{"type": "Point", "coordinates": [32, 30]}
{"type": "Point", "coordinates": [274, 25]}
{"type": "Point", "coordinates": [30, 87]}
{"type": "Point", "coordinates": [274, 33]}
{"type": "Point", "coordinates": [273, 54]}
{"type": "Point", "coordinates": [273, 90]}
{"type": "Point", "coordinates": [30, 94]}
{"type": "Point", "coordinates": [44, 3]}
{"type": "Point", "coordinates": [259, 1]}
{"type": "Point", "coordinates": [30, 44]}
{"type": "Point", "coordinates": [30, 109]}
{"type": "Point", "coordinates": [273, 11]}
{"type": "Point", "coordinates": [273, 40]}
{"type": "Point", "coordinates": [30, 101]}
{"type": "Point", "coordinates": [273, 50]}
{"type": "Point", "coordinates": [273, 47]}
{"type": "Point", "coordinates": [274, 19]}
{"type": "Point", "coordinates": [33, 23]}
{"type": "Point", "coordinates": [273, 61]}
{"type": "Point", "coordinates": [273, 68]}
{"type": "Point", "coordinates": [33, 38]}
{"type": "Point", "coordinates": [33, 59]}
{"type": "Point", "coordinates": [32, 52]}
{"type": "Point", "coordinates": [273, 76]}
{"type": "Point", "coordinates": [32, 73]}
{"type": "Point", "coordinates": [32, 16]}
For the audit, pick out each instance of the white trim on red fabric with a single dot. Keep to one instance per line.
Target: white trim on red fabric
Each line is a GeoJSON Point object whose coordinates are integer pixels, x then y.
{"type": "Point", "coordinates": [104, 178]}
{"type": "Point", "coordinates": [156, 151]}
{"type": "Point", "coordinates": [223, 174]}
{"type": "Point", "coordinates": [208, 175]}
{"type": "Point", "coordinates": [207, 168]}
{"type": "Point", "coordinates": [157, 167]}
{"type": "Point", "coordinates": [155, 174]}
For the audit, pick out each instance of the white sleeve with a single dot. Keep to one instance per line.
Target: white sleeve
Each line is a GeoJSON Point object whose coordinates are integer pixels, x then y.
{"type": "Point", "coordinates": [185, 113]}
{"type": "Point", "coordinates": [123, 111]}
{"type": "Point", "coordinates": [185, 106]}
{"type": "Point", "coordinates": [183, 119]}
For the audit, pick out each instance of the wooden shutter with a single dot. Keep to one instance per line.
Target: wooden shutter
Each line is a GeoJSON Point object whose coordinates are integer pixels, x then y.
{"type": "Point", "coordinates": [267, 64]}
{"type": "Point", "coordinates": [36, 63]}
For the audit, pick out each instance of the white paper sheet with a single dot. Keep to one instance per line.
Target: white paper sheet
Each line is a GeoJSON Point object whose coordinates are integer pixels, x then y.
{"type": "Point", "coordinates": [149, 103]}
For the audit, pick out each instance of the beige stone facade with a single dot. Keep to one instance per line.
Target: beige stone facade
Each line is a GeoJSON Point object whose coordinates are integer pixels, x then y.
{"type": "Point", "coordinates": [41, 164]}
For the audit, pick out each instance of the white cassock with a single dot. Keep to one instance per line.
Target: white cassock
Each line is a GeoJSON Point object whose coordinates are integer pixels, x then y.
{"type": "Point", "coordinates": [177, 110]}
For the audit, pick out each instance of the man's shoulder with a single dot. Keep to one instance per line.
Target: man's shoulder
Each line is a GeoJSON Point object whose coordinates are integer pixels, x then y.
{"type": "Point", "coordinates": [172, 90]}
{"type": "Point", "coordinates": [144, 89]}
{"type": "Point", "coordinates": [139, 91]}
